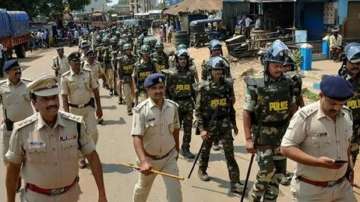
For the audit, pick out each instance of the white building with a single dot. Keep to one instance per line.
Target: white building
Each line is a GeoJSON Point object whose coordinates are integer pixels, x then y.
{"type": "Point", "coordinates": [96, 5]}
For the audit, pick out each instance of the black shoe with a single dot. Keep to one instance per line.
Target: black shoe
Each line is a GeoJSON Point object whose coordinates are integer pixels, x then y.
{"type": "Point", "coordinates": [187, 154]}
{"type": "Point", "coordinates": [236, 188]}
{"type": "Point", "coordinates": [111, 92]}
{"type": "Point", "coordinates": [115, 93]}
{"type": "Point", "coordinates": [203, 176]}
{"type": "Point", "coordinates": [121, 101]}
{"type": "Point", "coordinates": [130, 113]}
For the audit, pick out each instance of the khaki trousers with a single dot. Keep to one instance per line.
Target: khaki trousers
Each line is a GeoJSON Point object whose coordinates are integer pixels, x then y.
{"type": "Point", "coordinates": [88, 114]}
{"type": "Point", "coordinates": [173, 186]}
{"type": "Point", "coordinates": [128, 95]}
{"type": "Point", "coordinates": [304, 192]}
{"type": "Point", "coordinates": [5, 139]}
{"type": "Point", "coordinates": [70, 196]}
{"type": "Point", "coordinates": [110, 78]}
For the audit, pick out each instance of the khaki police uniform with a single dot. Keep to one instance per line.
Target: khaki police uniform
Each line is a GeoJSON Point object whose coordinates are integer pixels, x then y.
{"type": "Point", "coordinates": [49, 156]}
{"type": "Point", "coordinates": [318, 135]}
{"type": "Point", "coordinates": [61, 65]}
{"type": "Point", "coordinates": [16, 107]}
{"type": "Point", "coordinates": [156, 126]}
{"type": "Point", "coordinates": [95, 68]}
{"type": "Point", "coordinates": [79, 89]}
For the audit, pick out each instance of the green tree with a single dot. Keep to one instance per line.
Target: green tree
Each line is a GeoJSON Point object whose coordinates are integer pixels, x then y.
{"type": "Point", "coordinates": [49, 8]}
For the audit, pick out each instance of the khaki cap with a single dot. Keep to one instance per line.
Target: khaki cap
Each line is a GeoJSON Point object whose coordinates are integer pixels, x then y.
{"type": "Point", "coordinates": [44, 86]}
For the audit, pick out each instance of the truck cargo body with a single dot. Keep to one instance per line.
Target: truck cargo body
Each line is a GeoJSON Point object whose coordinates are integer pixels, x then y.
{"type": "Point", "coordinates": [14, 31]}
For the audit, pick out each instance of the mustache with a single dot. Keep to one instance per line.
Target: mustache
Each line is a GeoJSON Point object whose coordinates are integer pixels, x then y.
{"type": "Point", "coordinates": [52, 106]}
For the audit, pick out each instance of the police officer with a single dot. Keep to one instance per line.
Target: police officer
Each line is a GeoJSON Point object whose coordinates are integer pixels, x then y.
{"type": "Point", "coordinates": [318, 139]}
{"type": "Point", "coordinates": [60, 63]}
{"type": "Point", "coordinates": [156, 146]}
{"type": "Point", "coordinates": [46, 155]}
{"type": "Point", "coordinates": [15, 99]}
{"type": "Point", "coordinates": [125, 67]}
{"type": "Point", "coordinates": [180, 86]}
{"type": "Point", "coordinates": [269, 104]}
{"type": "Point", "coordinates": [108, 65]}
{"type": "Point", "coordinates": [143, 68]}
{"type": "Point", "coordinates": [350, 71]}
{"type": "Point", "coordinates": [80, 94]}
{"type": "Point", "coordinates": [159, 57]}
{"type": "Point", "coordinates": [215, 48]}
{"type": "Point", "coordinates": [213, 110]}
{"type": "Point", "coordinates": [115, 51]}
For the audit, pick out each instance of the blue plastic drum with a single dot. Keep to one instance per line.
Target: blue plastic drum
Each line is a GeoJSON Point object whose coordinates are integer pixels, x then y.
{"type": "Point", "coordinates": [325, 47]}
{"type": "Point", "coordinates": [306, 57]}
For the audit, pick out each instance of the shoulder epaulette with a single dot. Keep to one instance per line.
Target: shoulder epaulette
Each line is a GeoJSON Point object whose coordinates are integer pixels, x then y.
{"type": "Point", "coordinates": [172, 102]}
{"type": "Point", "coordinates": [25, 122]}
{"type": "Point", "coordinates": [71, 117]}
{"type": "Point", "coordinates": [140, 106]}
{"type": "Point", "coordinates": [308, 111]}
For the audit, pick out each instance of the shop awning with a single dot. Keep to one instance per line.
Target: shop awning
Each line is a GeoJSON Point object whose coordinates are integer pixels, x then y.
{"type": "Point", "coordinates": [194, 6]}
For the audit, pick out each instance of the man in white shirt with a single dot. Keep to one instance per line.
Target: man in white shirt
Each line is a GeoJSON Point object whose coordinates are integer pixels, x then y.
{"type": "Point", "coordinates": [335, 41]}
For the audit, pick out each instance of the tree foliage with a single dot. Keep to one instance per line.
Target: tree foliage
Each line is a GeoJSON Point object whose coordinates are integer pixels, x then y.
{"type": "Point", "coordinates": [50, 8]}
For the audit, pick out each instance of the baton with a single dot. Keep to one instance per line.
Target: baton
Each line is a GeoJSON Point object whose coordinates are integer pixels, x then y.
{"type": "Point", "coordinates": [247, 177]}
{"type": "Point", "coordinates": [131, 165]}
{"type": "Point", "coordinates": [196, 159]}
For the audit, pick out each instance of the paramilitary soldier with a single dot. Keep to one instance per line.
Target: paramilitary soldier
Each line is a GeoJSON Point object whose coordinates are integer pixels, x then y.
{"type": "Point", "coordinates": [80, 95]}
{"type": "Point", "coordinates": [125, 69]}
{"type": "Point", "coordinates": [215, 48]}
{"type": "Point", "coordinates": [269, 104]}
{"type": "Point", "coordinates": [181, 89]}
{"type": "Point", "coordinates": [351, 72]}
{"type": "Point", "coordinates": [143, 68]}
{"type": "Point", "coordinates": [213, 110]}
{"type": "Point", "coordinates": [45, 148]}
{"type": "Point", "coordinates": [159, 57]}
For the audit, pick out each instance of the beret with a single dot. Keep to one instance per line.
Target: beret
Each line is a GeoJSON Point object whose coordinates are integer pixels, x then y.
{"type": "Point", "coordinates": [10, 64]}
{"type": "Point", "coordinates": [336, 88]}
{"type": "Point", "coordinates": [153, 79]}
{"type": "Point", "coordinates": [74, 56]}
{"type": "Point", "coordinates": [44, 86]}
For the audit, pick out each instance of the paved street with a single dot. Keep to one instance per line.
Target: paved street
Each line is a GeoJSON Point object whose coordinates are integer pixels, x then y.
{"type": "Point", "coordinates": [115, 146]}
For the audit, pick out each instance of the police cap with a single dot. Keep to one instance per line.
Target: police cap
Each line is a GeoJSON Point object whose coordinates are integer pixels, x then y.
{"type": "Point", "coordinates": [10, 64]}
{"type": "Point", "coordinates": [336, 88]}
{"type": "Point", "coordinates": [154, 79]}
{"type": "Point", "coordinates": [74, 57]}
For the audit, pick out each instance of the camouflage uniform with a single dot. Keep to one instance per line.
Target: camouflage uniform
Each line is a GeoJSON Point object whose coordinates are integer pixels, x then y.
{"type": "Point", "coordinates": [125, 67]}
{"type": "Point", "coordinates": [142, 70]}
{"type": "Point", "coordinates": [213, 105]}
{"type": "Point", "coordinates": [180, 88]}
{"type": "Point", "coordinates": [159, 58]}
{"type": "Point", "coordinates": [269, 102]}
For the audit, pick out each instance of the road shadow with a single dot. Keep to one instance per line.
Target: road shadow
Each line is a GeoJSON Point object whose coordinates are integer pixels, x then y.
{"type": "Point", "coordinates": [112, 168]}
{"type": "Point", "coordinates": [121, 121]}
{"type": "Point", "coordinates": [109, 107]}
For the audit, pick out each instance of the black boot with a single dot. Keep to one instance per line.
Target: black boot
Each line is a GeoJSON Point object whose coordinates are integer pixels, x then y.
{"type": "Point", "coordinates": [187, 154]}
{"type": "Point", "coordinates": [236, 188]}
{"type": "Point", "coordinates": [111, 92]}
{"type": "Point", "coordinates": [203, 175]}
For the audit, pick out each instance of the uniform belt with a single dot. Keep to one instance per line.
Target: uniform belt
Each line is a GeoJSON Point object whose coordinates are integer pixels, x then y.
{"type": "Point", "coordinates": [50, 192]}
{"type": "Point", "coordinates": [322, 183]}
{"type": "Point", "coordinates": [90, 103]}
{"type": "Point", "coordinates": [153, 157]}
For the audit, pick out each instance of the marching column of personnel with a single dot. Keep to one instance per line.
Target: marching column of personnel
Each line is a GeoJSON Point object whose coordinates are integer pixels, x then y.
{"type": "Point", "coordinates": [164, 94]}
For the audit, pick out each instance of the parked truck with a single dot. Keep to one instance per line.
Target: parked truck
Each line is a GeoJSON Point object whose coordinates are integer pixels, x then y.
{"type": "Point", "coordinates": [14, 31]}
